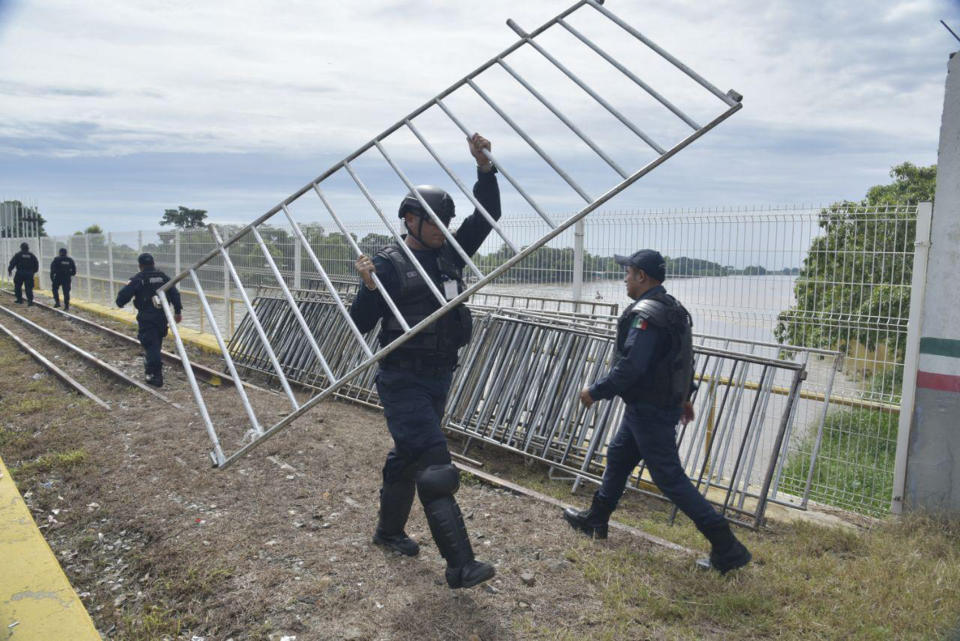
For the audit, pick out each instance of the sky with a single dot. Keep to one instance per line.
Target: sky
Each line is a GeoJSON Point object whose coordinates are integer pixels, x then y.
{"type": "Point", "coordinates": [111, 112]}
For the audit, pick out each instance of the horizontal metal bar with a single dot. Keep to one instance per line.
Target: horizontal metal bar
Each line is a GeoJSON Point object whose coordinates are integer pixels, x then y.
{"type": "Point", "coordinates": [629, 74]}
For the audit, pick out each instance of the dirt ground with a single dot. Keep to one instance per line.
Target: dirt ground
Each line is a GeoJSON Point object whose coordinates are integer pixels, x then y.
{"type": "Point", "coordinates": [162, 546]}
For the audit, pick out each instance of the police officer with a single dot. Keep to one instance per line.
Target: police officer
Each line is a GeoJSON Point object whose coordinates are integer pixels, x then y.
{"type": "Point", "coordinates": [62, 269]}
{"type": "Point", "coordinates": [413, 381]}
{"type": "Point", "coordinates": [26, 265]}
{"type": "Point", "coordinates": [653, 374]}
{"type": "Point", "coordinates": [151, 321]}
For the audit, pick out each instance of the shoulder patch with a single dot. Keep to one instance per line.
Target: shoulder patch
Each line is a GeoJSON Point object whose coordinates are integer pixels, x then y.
{"type": "Point", "coordinates": [639, 322]}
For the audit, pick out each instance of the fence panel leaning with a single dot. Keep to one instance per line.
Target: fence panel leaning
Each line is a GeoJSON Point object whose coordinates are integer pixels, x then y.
{"type": "Point", "coordinates": [657, 142]}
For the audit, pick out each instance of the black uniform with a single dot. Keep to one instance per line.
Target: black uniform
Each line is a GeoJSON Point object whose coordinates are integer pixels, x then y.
{"type": "Point", "coordinates": [151, 322]}
{"type": "Point", "coordinates": [26, 265]}
{"type": "Point", "coordinates": [62, 270]}
{"type": "Point", "coordinates": [413, 382]}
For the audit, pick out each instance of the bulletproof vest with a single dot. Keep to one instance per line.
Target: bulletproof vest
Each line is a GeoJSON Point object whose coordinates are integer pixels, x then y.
{"type": "Point", "coordinates": [24, 262]}
{"type": "Point", "coordinates": [150, 281]}
{"type": "Point", "coordinates": [62, 267]}
{"type": "Point", "coordinates": [668, 382]}
{"type": "Point", "coordinates": [442, 338]}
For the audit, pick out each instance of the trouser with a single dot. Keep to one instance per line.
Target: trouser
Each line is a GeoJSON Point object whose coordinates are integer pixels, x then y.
{"type": "Point", "coordinates": [21, 281]}
{"type": "Point", "coordinates": [413, 403]}
{"type": "Point", "coordinates": [649, 434]}
{"type": "Point", "coordinates": [63, 284]}
{"type": "Point", "coordinates": [151, 338]}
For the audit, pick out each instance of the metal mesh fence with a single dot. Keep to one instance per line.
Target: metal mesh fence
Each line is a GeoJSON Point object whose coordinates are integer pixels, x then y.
{"type": "Point", "coordinates": [834, 278]}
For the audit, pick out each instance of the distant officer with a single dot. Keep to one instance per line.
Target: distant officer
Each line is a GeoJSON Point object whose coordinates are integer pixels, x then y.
{"type": "Point", "coordinates": [62, 269]}
{"type": "Point", "coordinates": [414, 380]}
{"type": "Point", "coordinates": [151, 321]}
{"type": "Point", "coordinates": [653, 374]}
{"type": "Point", "coordinates": [26, 265]}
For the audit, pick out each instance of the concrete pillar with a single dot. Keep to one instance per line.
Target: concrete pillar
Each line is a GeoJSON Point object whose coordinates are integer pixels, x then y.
{"type": "Point", "coordinates": [932, 475]}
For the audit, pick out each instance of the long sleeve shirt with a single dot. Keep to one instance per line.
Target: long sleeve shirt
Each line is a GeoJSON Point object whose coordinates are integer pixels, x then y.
{"type": "Point", "coordinates": [369, 306]}
{"type": "Point", "coordinates": [25, 263]}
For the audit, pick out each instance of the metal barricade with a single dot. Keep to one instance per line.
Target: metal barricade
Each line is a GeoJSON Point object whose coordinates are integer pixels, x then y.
{"type": "Point", "coordinates": [656, 151]}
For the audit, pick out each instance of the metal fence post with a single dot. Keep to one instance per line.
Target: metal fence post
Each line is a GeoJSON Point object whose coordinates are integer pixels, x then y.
{"type": "Point", "coordinates": [578, 234]}
{"type": "Point", "coordinates": [912, 357]}
{"type": "Point", "coordinates": [86, 256]}
{"type": "Point", "coordinates": [297, 271]}
{"type": "Point", "coordinates": [176, 252]}
{"type": "Point", "coordinates": [41, 271]}
{"type": "Point", "coordinates": [110, 274]}
{"type": "Point", "coordinates": [139, 242]}
{"type": "Point", "coordinates": [226, 293]}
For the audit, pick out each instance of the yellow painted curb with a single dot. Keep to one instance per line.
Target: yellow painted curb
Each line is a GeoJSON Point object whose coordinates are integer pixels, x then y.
{"type": "Point", "coordinates": [206, 342]}
{"type": "Point", "coordinates": [37, 602]}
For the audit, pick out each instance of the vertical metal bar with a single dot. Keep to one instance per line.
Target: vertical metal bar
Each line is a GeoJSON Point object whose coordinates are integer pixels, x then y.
{"type": "Point", "coordinates": [226, 292]}
{"type": "Point", "coordinates": [86, 251]}
{"type": "Point", "coordinates": [217, 454]}
{"type": "Point", "coordinates": [140, 242]}
{"type": "Point", "coordinates": [650, 90]}
{"type": "Point", "coordinates": [466, 191]}
{"type": "Point", "coordinates": [359, 252]}
{"type": "Point", "coordinates": [578, 234]}
{"type": "Point", "coordinates": [823, 419]}
{"type": "Point", "coordinates": [908, 395]}
{"type": "Point", "coordinates": [238, 382]}
{"type": "Point", "coordinates": [556, 112]}
{"type": "Point", "coordinates": [294, 307]}
{"type": "Point", "coordinates": [433, 216]}
{"type": "Point", "coordinates": [297, 266]}
{"type": "Point", "coordinates": [798, 377]}
{"type": "Point", "coordinates": [533, 145]}
{"type": "Point", "coordinates": [403, 246]}
{"type": "Point", "coordinates": [585, 87]}
{"type": "Point", "coordinates": [520, 190]}
{"type": "Point", "coordinates": [176, 252]}
{"type": "Point", "coordinates": [326, 281]}
{"type": "Point", "coordinates": [255, 320]}
{"type": "Point", "coordinates": [679, 65]}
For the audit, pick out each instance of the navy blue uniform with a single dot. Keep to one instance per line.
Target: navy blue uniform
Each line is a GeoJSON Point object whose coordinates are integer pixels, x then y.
{"type": "Point", "coordinates": [26, 265]}
{"type": "Point", "coordinates": [151, 321]}
{"type": "Point", "coordinates": [413, 384]}
{"type": "Point", "coordinates": [648, 430]}
{"type": "Point", "coordinates": [62, 270]}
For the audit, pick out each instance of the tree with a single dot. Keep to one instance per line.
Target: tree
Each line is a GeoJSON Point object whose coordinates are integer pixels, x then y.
{"type": "Point", "coordinates": [184, 218]}
{"type": "Point", "coordinates": [841, 280]}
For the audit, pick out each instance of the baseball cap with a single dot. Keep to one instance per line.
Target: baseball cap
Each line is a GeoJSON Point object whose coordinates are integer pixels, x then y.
{"type": "Point", "coordinates": [649, 260]}
{"type": "Point", "coordinates": [145, 259]}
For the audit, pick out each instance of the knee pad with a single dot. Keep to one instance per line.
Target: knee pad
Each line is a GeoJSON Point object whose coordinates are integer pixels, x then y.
{"type": "Point", "coordinates": [438, 481]}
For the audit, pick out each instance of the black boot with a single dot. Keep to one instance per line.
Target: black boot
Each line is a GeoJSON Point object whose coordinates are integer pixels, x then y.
{"type": "Point", "coordinates": [154, 378]}
{"type": "Point", "coordinates": [592, 522]}
{"type": "Point", "coordinates": [395, 501]}
{"type": "Point", "coordinates": [56, 303]}
{"type": "Point", "coordinates": [437, 484]}
{"type": "Point", "coordinates": [726, 553]}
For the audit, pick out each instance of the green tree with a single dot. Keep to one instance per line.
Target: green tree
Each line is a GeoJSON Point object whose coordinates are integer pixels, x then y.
{"type": "Point", "coordinates": [184, 218]}
{"type": "Point", "coordinates": [845, 294]}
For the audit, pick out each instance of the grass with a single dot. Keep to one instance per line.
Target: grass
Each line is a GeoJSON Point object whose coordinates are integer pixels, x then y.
{"type": "Point", "coordinates": [49, 463]}
{"type": "Point", "coordinates": [854, 468]}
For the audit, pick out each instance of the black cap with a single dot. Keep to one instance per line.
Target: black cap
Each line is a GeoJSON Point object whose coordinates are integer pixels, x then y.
{"type": "Point", "coordinates": [63, 251]}
{"type": "Point", "coordinates": [24, 247]}
{"type": "Point", "coordinates": [649, 260]}
{"type": "Point", "coordinates": [440, 202]}
{"type": "Point", "coordinates": [145, 259]}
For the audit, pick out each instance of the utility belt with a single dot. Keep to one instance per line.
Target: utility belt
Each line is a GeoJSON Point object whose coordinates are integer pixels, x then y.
{"type": "Point", "coordinates": [424, 363]}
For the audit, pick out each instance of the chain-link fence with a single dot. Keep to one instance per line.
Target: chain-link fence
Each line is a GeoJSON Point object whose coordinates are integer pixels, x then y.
{"type": "Point", "coordinates": [834, 278]}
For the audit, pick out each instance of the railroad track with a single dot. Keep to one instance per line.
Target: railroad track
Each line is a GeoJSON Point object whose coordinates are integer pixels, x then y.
{"type": "Point", "coordinates": [104, 382]}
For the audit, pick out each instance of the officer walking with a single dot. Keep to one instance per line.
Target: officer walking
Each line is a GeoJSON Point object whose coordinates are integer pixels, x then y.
{"type": "Point", "coordinates": [151, 321]}
{"type": "Point", "coordinates": [62, 269]}
{"type": "Point", "coordinates": [413, 381]}
{"type": "Point", "coordinates": [653, 374]}
{"type": "Point", "coordinates": [26, 265]}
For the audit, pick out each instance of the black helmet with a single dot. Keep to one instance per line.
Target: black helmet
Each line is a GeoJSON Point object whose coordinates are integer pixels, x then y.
{"type": "Point", "coordinates": [63, 251]}
{"type": "Point", "coordinates": [440, 202]}
{"type": "Point", "coordinates": [145, 259]}
{"type": "Point", "coordinates": [24, 247]}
